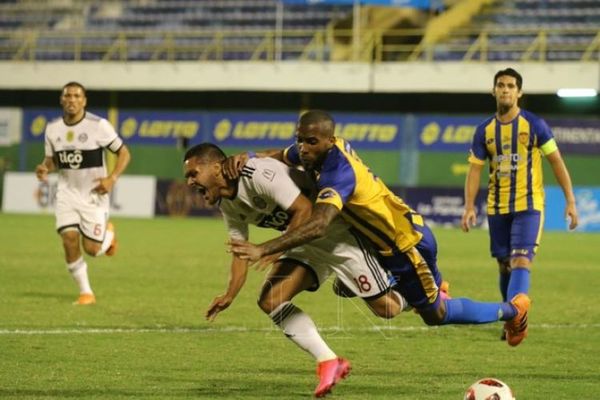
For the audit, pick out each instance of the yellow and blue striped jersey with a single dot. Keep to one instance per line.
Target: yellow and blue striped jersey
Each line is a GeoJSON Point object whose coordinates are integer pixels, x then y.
{"type": "Point", "coordinates": [345, 182]}
{"type": "Point", "coordinates": [514, 151]}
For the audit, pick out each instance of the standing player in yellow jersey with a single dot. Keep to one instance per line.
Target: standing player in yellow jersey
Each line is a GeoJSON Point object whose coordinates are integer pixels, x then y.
{"type": "Point", "coordinates": [405, 245]}
{"type": "Point", "coordinates": [513, 141]}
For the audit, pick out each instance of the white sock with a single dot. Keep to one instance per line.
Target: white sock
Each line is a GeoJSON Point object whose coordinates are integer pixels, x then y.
{"type": "Point", "coordinates": [300, 329]}
{"type": "Point", "coordinates": [78, 270]}
{"type": "Point", "coordinates": [404, 306]}
{"type": "Point", "coordinates": [108, 237]}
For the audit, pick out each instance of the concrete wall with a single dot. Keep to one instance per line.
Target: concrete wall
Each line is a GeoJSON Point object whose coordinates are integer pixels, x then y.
{"type": "Point", "coordinates": [421, 77]}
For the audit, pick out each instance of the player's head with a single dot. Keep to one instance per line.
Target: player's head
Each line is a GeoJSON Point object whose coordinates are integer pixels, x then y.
{"type": "Point", "coordinates": [202, 168]}
{"type": "Point", "coordinates": [73, 99]}
{"type": "Point", "coordinates": [315, 136]}
{"type": "Point", "coordinates": [507, 88]}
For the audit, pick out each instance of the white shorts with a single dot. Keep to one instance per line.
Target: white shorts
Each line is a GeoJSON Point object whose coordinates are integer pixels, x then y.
{"type": "Point", "coordinates": [347, 255]}
{"type": "Point", "coordinates": [88, 215]}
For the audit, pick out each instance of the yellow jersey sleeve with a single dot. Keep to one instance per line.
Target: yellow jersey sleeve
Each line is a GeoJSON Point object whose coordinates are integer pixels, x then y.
{"type": "Point", "coordinates": [330, 196]}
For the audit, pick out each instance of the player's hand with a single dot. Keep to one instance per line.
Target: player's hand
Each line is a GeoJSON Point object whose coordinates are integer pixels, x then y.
{"type": "Point", "coordinates": [41, 172]}
{"type": "Point", "coordinates": [469, 219]}
{"type": "Point", "coordinates": [219, 304]}
{"type": "Point", "coordinates": [266, 261]}
{"type": "Point", "coordinates": [245, 250]}
{"type": "Point", "coordinates": [232, 167]}
{"type": "Point", "coordinates": [104, 185]}
{"type": "Point", "coordinates": [571, 215]}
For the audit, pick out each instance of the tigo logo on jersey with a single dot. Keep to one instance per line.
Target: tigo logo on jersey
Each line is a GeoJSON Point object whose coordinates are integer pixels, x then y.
{"type": "Point", "coordinates": [74, 159]}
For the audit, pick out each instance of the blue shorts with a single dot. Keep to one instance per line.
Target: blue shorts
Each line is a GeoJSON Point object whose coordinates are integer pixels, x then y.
{"type": "Point", "coordinates": [515, 235]}
{"type": "Point", "coordinates": [418, 278]}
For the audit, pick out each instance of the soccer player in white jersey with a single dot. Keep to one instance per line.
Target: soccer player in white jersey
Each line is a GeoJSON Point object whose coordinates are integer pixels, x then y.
{"type": "Point", "coordinates": [266, 195]}
{"type": "Point", "coordinates": [74, 146]}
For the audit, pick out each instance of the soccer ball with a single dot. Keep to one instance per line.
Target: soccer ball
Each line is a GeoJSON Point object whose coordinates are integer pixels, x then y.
{"type": "Point", "coordinates": [489, 389]}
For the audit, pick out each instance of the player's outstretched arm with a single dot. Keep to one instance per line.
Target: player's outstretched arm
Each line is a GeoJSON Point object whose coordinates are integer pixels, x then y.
{"type": "Point", "coordinates": [469, 217]}
{"type": "Point", "coordinates": [42, 169]}
{"type": "Point", "coordinates": [232, 167]}
{"type": "Point", "coordinates": [312, 229]}
{"type": "Point", "coordinates": [564, 180]}
{"type": "Point", "coordinates": [237, 278]}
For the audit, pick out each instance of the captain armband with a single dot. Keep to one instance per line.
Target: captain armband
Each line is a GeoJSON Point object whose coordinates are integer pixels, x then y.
{"type": "Point", "coordinates": [549, 147]}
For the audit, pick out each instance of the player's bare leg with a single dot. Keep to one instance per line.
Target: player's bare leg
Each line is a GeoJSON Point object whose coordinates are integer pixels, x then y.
{"type": "Point", "coordinates": [284, 282]}
{"type": "Point", "coordinates": [77, 266]}
{"type": "Point", "coordinates": [387, 306]}
{"type": "Point", "coordinates": [108, 246]}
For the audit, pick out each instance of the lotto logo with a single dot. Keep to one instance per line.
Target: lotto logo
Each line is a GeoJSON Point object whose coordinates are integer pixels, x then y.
{"type": "Point", "coordinates": [73, 159]}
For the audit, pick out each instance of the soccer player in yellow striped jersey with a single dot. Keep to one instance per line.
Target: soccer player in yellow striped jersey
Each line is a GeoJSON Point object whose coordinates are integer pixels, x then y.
{"type": "Point", "coordinates": [406, 246]}
{"type": "Point", "coordinates": [513, 142]}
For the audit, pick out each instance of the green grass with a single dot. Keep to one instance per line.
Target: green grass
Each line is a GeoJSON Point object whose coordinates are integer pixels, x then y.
{"type": "Point", "coordinates": [147, 338]}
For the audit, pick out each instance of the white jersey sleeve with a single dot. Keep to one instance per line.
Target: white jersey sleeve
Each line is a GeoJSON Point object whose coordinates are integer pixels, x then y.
{"type": "Point", "coordinates": [271, 179]}
{"type": "Point", "coordinates": [107, 136]}
{"type": "Point", "coordinates": [48, 149]}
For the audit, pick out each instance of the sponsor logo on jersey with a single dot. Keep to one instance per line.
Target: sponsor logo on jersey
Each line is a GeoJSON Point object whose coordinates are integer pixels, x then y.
{"type": "Point", "coordinates": [523, 137]}
{"type": "Point", "coordinates": [77, 159]}
{"type": "Point", "coordinates": [277, 219]}
{"type": "Point", "coordinates": [72, 158]}
{"type": "Point", "coordinates": [511, 157]}
{"type": "Point", "coordinates": [70, 136]}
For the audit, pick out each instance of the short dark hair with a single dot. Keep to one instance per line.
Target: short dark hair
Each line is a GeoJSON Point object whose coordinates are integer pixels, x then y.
{"type": "Point", "coordinates": [206, 152]}
{"type": "Point", "coordinates": [509, 72]}
{"type": "Point", "coordinates": [317, 117]}
{"type": "Point", "coordinates": [76, 84]}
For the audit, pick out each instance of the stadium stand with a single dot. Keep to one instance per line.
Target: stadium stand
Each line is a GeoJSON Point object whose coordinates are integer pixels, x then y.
{"type": "Point", "coordinates": [147, 30]}
{"type": "Point", "coordinates": [552, 30]}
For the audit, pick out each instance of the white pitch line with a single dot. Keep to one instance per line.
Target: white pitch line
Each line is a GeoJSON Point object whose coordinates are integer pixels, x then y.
{"type": "Point", "coordinates": [236, 329]}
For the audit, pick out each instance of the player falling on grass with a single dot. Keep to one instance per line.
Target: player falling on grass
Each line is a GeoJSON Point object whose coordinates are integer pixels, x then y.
{"type": "Point", "coordinates": [266, 195]}
{"type": "Point", "coordinates": [406, 246]}
{"type": "Point", "coordinates": [513, 141]}
{"type": "Point", "coordinates": [74, 145]}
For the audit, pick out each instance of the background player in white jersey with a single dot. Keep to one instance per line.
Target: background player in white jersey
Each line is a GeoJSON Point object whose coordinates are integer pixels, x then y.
{"type": "Point", "coordinates": [74, 145]}
{"type": "Point", "coordinates": [265, 195]}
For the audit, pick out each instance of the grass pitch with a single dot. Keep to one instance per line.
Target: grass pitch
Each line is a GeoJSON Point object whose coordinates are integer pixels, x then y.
{"type": "Point", "coordinates": [147, 338]}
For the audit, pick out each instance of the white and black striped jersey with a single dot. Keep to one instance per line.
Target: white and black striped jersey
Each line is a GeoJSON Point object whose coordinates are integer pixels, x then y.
{"type": "Point", "coordinates": [266, 190]}
{"type": "Point", "coordinates": [78, 151]}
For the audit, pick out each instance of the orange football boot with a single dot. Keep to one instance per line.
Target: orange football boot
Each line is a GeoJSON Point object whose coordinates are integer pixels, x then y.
{"type": "Point", "coordinates": [85, 299]}
{"type": "Point", "coordinates": [516, 328]}
{"type": "Point", "coordinates": [331, 372]}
